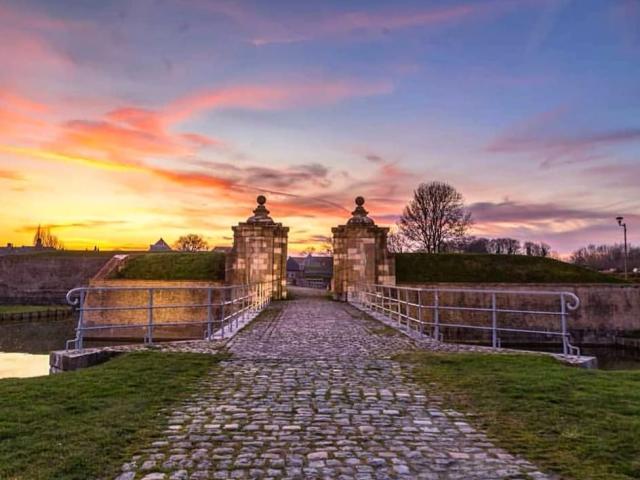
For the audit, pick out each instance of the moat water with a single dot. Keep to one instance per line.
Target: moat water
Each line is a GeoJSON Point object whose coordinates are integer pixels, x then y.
{"type": "Point", "coordinates": [25, 347]}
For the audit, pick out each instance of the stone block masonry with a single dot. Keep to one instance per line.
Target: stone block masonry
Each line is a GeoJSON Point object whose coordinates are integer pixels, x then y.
{"type": "Point", "coordinates": [259, 252]}
{"type": "Point", "coordinates": [360, 254]}
{"type": "Point", "coordinates": [45, 278]}
{"type": "Point", "coordinates": [132, 297]}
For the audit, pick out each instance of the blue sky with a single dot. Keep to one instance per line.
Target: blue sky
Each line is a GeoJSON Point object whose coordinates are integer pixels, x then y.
{"type": "Point", "coordinates": [111, 109]}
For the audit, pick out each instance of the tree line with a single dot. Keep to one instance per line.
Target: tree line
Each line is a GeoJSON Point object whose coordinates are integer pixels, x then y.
{"type": "Point", "coordinates": [606, 257]}
{"type": "Point", "coordinates": [437, 221]}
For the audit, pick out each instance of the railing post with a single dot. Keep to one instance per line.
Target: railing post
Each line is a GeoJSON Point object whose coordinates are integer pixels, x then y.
{"type": "Point", "coordinates": [233, 305]}
{"type": "Point", "coordinates": [80, 332]}
{"type": "Point", "coordinates": [420, 313]}
{"type": "Point", "coordinates": [563, 318]}
{"type": "Point", "coordinates": [150, 317]}
{"type": "Point", "coordinates": [223, 294]}
{"type": "Point", "coordinates": [494, 321]}
{"type": "Point", "coordinates": [209, 315]}
{"type": "Point", "coordinates": [436, 316]}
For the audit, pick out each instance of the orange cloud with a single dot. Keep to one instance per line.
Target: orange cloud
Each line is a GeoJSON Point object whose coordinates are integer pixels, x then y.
{"type": "Point", "coordinates": [61, 157]}
{"type": "Point", "coordinates": [116, 141]}
{"type": "Point", "coordinates": [271, 97]}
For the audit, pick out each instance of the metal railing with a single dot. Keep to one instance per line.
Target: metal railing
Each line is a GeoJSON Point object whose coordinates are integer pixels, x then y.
{"type": "Point", "coordinates": [422, 309]}
{"type": "Point", "coordinates": [215, 310]}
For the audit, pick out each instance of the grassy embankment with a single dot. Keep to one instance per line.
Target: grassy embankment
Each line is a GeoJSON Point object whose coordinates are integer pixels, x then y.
{"type": "Point", "coordinates": [85, 424]}
{"type": "Point", "coordinates": [175, 266]}
{"type": "Point", "coordinates": [485, 268]}
{"type": "Point", "coordinates": [581, 424]}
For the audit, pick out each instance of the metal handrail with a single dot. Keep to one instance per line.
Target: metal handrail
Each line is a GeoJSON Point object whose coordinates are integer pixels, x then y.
{"type": "Point", "coordinates": [234, 303]}
{"type": "Point", "coordinates": [393, 301]}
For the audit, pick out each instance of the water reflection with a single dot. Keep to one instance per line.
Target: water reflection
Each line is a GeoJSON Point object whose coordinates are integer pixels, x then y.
{"type": "Point", "coordinates": [22, 365]}
{"type": "Point", "coordinates": [36, 336]}
{"type": "Point", "coordinates": [25, 345]}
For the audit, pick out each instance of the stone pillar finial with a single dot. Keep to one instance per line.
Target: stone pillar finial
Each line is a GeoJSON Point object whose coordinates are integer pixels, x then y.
{"type": "Point", "coordinates": [259, 252]}
{"type": "Point", "coordinates": [260, 214]}
{"type": "Point", "coordinates": [360, 214]}
{"type": "Point", "coordinates": [360, 254]}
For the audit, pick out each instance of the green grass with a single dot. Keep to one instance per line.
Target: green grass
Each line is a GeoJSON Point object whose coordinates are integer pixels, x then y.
{"type": "Point", "coordinates": [175, 266]}
{"type": "Point", "coordinates": [28, 308]}
{"type": "Point", "coordinates": [581, 424]}
{"type": "Point", "coordinates": [85, 424]}
{"type": "Point", "coordinates": [66, 253]}
{"type": "Point", "coordinates": [485, 268]}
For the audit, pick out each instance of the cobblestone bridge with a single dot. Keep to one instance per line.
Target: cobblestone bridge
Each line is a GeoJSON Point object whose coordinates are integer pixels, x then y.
{"type": "Point", "coordinates": [311, 391]}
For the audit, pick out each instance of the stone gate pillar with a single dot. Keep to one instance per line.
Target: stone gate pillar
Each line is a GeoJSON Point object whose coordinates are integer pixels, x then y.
{"type": "Point", "coordinates": [360, 254]}
{"type": "Point", "coordinates": [259, 252]}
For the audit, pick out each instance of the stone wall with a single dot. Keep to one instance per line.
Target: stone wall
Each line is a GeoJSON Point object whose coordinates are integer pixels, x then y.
{"type": "Point", "coordinates": [137, 295]}
{"type": "Point", "coordinates": [606, 310]}
{"type": "Point", "coordinates": [259, 252]}
{"type": "Point", "coordinates": [44, 279]}
{"type": "Point", "coordinates": [360, 254]}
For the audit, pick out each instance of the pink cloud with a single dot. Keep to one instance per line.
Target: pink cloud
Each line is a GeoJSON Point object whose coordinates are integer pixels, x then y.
{"type": "Point", "coordinates": [542, 138]}
{"type": "Point", "coordinates": [275, 96]}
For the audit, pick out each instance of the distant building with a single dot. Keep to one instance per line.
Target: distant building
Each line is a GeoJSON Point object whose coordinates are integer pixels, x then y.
{"type": "Point", "coordinates": [294, 270]}
{"type": "Point", "coordinates": [160, 246]}
{"type": "Point", "coordinates": [310, 271]}
{"type": "Point", "coordinates": [222, 249]}
{"type": "Point", "coordinates": [11, 249]}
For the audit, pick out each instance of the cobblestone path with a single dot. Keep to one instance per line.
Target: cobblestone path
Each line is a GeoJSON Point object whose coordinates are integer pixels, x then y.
{"type": "Point", "coordinates": [311, 393]}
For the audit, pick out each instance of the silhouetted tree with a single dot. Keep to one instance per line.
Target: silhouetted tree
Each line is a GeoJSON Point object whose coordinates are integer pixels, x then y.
{"type": "Point", "coordinates": [533, 249]}
{"type": "Point", "coordinates": [605, 257]}
{"type": "Point", "coordinates": [469, 244]}
{"type": "Point", "coordinates": [435, 216]}
{"type": "Point", "coordinates": [44, 238]}
{"type": "Point", "coordinates": [398, 243]}
{"type": "Point", "coordinates": [504, 246]}
{"type": "Point", "coordinates": [191, 243]}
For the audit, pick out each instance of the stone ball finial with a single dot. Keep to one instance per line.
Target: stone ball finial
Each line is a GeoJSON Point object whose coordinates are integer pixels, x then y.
{"type": "Point", "coordinates": [359, 215]}
{"type": "Point", "coordinates": [261, 214]}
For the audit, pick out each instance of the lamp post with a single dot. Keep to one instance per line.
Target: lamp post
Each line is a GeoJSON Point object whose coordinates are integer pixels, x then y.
{"type": "Point", "coordinates": [624, 226]}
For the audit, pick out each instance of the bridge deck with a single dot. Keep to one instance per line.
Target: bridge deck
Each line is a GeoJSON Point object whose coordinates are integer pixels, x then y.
{"type": "Point", "coordinates": [311, 392]}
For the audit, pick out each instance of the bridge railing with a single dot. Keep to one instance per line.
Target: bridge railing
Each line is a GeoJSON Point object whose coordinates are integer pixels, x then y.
{"type": "Point", "coordinates": [431, 311]}
{"type": "Point", "coordinates": [151, 313]}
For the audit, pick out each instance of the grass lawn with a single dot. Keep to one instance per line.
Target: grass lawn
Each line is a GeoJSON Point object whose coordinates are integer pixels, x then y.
{"type": "Point", "coordinates": [581, 424]}
{"type": "Point", "coordinates": [85, 424]}
{"type": "Point", "coordinates": [175, 266]}
{"type": "Point", "coordinates": [29, 308]}
{"type": "Point", "coordinates": [485, 268]}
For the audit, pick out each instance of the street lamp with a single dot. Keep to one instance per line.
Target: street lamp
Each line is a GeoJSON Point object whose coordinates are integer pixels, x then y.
{"type": "Point", "coordinates": [624, 226]}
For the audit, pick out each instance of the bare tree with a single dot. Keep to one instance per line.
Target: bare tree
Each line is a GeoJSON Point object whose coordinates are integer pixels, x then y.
{"type": "Point", "coordinates": [504, 246]}
{"type": "Point", "coordinates": [436, 215]}
{"type": "Point", "coordinates": [533, 249]}
{"type": "Point", "coordinates": [44, 238]}
{"type": "Point", "coordinates": [191, 243]}
{"type": "Point", "coordinates": [545, 249]}
{"type": "Point", "coordinates": [398, 243]}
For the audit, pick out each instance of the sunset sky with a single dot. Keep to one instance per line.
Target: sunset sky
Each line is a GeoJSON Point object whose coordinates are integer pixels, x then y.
{"type": "Point", "coordinates": [125, 121]}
